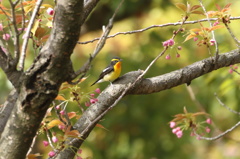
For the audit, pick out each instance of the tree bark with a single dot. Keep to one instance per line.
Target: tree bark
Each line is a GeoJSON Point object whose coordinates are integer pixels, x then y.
{"type": "Point", "coordinates": [39, 85]}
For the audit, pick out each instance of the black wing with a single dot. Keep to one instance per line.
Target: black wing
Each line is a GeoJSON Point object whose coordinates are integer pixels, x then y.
{"type": "Point", "coordinates": [107, 70]}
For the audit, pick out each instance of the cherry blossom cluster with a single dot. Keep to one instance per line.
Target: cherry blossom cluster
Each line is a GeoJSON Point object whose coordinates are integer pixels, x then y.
{"type": "Point", "coordinates": [46, 143]}
{"type": "Point", "coordinates": [169, 42]}
{"type": "Point", "coordinates": [232, 68]}
{"type": "Point", "coordinates": [92, 98]}
{"type": "Point", "coordinates": [178, 129]}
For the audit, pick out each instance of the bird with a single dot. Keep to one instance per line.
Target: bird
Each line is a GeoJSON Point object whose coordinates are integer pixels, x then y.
{"type": "Point", "coordinates": [111, 72]}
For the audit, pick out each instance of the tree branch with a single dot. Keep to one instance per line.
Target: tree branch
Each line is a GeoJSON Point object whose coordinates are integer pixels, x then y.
{"type": "Point", "coordinates": [220, 135]}
{"type": "Point", "coordinates": [89, 5]}
{"type": "Point", "coordinates": [6, 110]}
{"type": "Point", "coordinates": [155, 26]}
{"type": "Point", "coordinates": [28, 31]}
{"type": "Point", "coordinates": [186, 74]}
{"type": "Point", "coordinates": [146, 86]}
{"type": "Point", "coordinates": [16, 33]}
{"type": "Point", "coordinates": [8, 66]}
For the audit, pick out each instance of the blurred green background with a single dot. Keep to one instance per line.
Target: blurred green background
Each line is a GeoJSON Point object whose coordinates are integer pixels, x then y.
{"type": "Point", "coordinates": [137, 128]}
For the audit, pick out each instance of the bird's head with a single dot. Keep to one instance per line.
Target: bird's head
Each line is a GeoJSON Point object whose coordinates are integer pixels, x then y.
{"type": "Point", "coordinates": [116, 61]}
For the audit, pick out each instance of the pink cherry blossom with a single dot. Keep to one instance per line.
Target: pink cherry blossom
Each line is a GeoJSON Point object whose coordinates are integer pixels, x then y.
{"type": "Point", "coordinates": [171, 42]}
{"type": "Point", "coordinates": [87, 104]}
{"type": "Point", "coordinates": [212, 42]}
{"type": "Point", "coordinates": [98, 90]}
{"type": "Point", "coordinates": [172, 124]}
{"type": "Point", "coordinates": [80, 151]}
{"type": "Point", "coordinates": [168, 57]}
{"type": "Point", "coordinates": [179, 133]}
{"type": "Point", "coordinates": [45, 143]}
{"type": "Point", "coordinates": [207, 129]}
{"type": "Point", "coordinates": [195, 39]}
{"type": "Point", "coordinates": [61, 126]}
{"type": "Point", "coordinates": [175, 130]}
{"type": "Point", "coordinates": [216, 23]}
{"type": "Point", "coordinates": [57, 107]}
{"type": "Point", "coordinates": [1, 27]}
{"type": "Point", "coordinates": [209, 121]}
{"type": "Point", "coordinates": [50, 11]}
{"type": "Point", "coordinates": [51, 154]}
{"type": "Point", "coordinates": [54, 139]}
{"type": "Point", "coordinates": [62, 112]}
{"type": "Point", "coordinates": [179, 47]}
{"type": "Point", "coordinates": [92, 95]}
{"type": "Point", "coordinates": [93, 100]}
{"type": "Point", "coordinates": [6, 37]}
{"type": "Point", "coordinates": [165, 43]}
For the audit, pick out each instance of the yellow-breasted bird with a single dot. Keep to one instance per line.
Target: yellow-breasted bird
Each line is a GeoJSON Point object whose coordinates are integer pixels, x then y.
{"type": "Point", "coordinates": [111, 72]}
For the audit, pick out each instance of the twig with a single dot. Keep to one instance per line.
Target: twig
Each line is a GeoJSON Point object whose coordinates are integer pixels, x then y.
{"type": "Point", "coordinates": [103, 38]}
{"type": "Point", "coordinates": [33, 142]}
{"type": "Point", "coordinates": [218, 136]}
{"type": "Point", "coordinates": [232, 35]}
{"type": "Point", "coordinates": [100, 43]}
{"type": "Point", "coordinates": [234, 70]}
{"type": "Point", "coordinates": [79, 104]}
{"type": "Point", "coordinates": [155, 26]}
{"type": "Point", "coordinates": [49, 139]}
{"type": "Point", "coordinates": [227, 131]}
{"type": "Point", "coordinates": [194, 99]}
{"type": "Point", "coordinates": [212, 32]}
{"type": "Point", "coordinates": [16, 32]}
{"type": "Point", "coordinates": [4, 12]}
{"type": "Point", "coordinates": [65, 115]}
{"type": "Point", "coordinates": [27, 34]}
{"type": "Point", "coordinates": [224, 105]}
{"type": "Point", "coordinates": [1, 42]}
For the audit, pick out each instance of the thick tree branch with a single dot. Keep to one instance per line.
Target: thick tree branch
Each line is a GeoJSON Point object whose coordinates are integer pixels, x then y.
{"type": "Point", "coordinates": [39, 85]}
{"type": "Point", "coordinates": [89, 5]}
{"type": "Point", "coordinates": [186, 74]}
{"type": "Point", "coordinates": [146, 86]}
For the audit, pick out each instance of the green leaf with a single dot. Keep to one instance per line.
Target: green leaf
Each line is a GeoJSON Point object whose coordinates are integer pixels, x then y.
{"type": "Point", "coordinates": [181, 6]}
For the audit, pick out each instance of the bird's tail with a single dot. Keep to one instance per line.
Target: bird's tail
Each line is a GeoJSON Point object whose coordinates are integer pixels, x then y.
{"type": "Point", "coordinates": [95, 82]}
